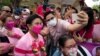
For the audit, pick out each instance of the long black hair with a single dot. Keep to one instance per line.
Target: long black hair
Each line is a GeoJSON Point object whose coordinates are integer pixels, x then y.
{"type": "Point", "coordinates": [89, 11]}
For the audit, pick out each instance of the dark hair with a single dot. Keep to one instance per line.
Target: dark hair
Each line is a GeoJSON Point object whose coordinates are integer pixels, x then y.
{"type": "Point", "coordinates": [63, 39]}
{"type": "Point", "coordinates": [67, 7]}
{"type": "Point", "coordinates": [98, 48]}
{"type": "Point", "coordinates": [89, 11]}
{"type": "Point", "coordinates": [46, 14]}
{"type": "Point", "coordinates": [4, 19]}
{"type": "Point", "coordinates": [95, 10]}
{"type": "Point", "coordinates": [59, 9]}
{"type": "Point", "coordinates": [76, 11]}
{"type": "Point", "coordinates": [32, 17]}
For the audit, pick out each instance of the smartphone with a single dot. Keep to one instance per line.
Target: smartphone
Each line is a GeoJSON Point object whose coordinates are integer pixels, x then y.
{"type": "Point", "coordinates": [75, 17]}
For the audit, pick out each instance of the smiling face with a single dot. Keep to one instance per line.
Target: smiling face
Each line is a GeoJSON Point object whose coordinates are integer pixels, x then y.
{"type": "Point", "coordinates": [69, 45]}
{"type": "Point", "coordinates": [48, 17]}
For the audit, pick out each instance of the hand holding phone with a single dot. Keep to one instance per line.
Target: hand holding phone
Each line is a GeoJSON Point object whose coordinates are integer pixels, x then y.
{"type": "Point", "coordinates": [75, 17]}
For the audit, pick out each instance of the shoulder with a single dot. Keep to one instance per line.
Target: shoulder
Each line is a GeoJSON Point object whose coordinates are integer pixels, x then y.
{"type": "Point", "coordinates": [23, 41]}
{"type": "Point", "coordinates": [15, 28]}
{"type": "Point", "coordinates": [41, 37]}
{"type": "Point", "coordinates": [57, 53]}
{"type": "Point", "coordinates": [63, 22]}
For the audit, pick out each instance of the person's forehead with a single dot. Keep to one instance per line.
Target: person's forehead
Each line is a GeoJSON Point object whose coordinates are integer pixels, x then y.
{"type": "Point", "coordinates": [37, 20]}
{"type": "Point", "coordinates": [70, 42]}
{"type": "Point", "coordinates": [49, 15]}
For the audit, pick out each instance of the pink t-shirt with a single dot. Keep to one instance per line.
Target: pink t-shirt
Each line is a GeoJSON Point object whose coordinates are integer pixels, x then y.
{"type": "Point", "coordinates": [58, 30]}
{"type": "Point", "coordinates": [39, 10]}
{"type": "Point", "coordinates": [24, 45]}
{"type": "Point", "coordinates": [13, 40]}
{"type": "Point", "coordinates": [96, 31]}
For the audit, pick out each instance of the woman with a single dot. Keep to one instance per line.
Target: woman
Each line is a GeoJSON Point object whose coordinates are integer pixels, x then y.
{"type": "Point", "coordinates": [5, 45]}
{"type": "Point", "coordinates": [85, 34]}
{"type": "Point", "coordinates": [57, 27]}
{"type": "Point", "coordinates": [68, 47]}
{"type": "Point", "coordinates": [13, 33]}
{"type": "Point", "coordinates": [32, 43]}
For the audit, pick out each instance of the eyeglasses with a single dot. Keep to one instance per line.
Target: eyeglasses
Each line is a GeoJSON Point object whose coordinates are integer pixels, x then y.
{"type": "Point", "coordinates": [73, 46]}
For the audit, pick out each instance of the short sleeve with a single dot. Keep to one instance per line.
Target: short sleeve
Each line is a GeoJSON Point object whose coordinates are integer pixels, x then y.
{"type": "Point", "coordinates": [20, 31]}
{"type": "Point", "coordinates": [65, 24]}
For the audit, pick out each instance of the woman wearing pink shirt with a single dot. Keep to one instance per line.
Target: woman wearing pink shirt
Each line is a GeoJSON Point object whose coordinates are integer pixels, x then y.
{"type": "Point", "coordinates": [9, 35]}
{"type": "Point", "coordinates": [13, 33]}
{"type": "Point", "coordinates": [32, 43]}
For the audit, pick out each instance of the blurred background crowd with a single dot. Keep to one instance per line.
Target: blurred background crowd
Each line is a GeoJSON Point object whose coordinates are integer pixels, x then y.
{"type": "Point", "coordinates": [49, 28]}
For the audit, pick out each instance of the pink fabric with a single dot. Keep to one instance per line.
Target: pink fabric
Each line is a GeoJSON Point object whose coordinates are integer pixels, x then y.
{"type": "Point", "coordinates": [13, 40]}
{"type": "Point", "coordinates": [48, 9]}
{"type": "Point", "coordinates": [24, 45]}
{"type": "Point", "coordinates": [88, 33]}
{"type": "Point", "coordinates": [97, 22]}
{"type": "Point", "coordinates": [39, 10]}
{"type": "Point", "coordinates": [96, 31]}
{"type": "Point", "coordinates": [70, 20]}
{"type": "Point", "coordinates": [59, 30]}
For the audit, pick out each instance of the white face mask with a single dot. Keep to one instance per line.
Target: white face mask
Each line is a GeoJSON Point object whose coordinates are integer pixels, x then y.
{"type": "Point", "coordinates": [17, 17]}
{"type": "Point", "coordinates": [72, 52]}
{"type": "Point", "coordinates": [25, 16]}
{"type": "Point", "coordinates": [52, 22]}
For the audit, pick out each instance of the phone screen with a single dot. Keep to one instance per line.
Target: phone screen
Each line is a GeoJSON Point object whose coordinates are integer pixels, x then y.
{"type": "Point", "coordinates": [74, 17]}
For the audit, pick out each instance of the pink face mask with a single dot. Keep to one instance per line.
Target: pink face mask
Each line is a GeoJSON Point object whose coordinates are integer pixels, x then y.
{"type": "Point", "coordinates": [10, 25]}
{"type": "Point", "coordinates": [37, 29]}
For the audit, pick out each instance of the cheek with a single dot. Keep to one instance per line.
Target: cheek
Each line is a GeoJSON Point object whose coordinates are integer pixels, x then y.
{"type": "Point", "coordinates": [65, 50]}
{"type": "Point", "coordinates": [30, 28]}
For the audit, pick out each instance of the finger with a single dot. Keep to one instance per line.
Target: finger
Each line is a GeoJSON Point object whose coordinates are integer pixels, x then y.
{"type": "Point", "coordinates": [82, 20]}
{"type": "Point", "coordinates": [74, 34]}
{"type": "Point", "coordinates": [79, 35]}
{"type": "Point", "coordinates": [82, 14]}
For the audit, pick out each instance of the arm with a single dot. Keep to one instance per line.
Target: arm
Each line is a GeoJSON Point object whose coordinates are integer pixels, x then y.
{"type": "Point", "coordinates": [5, 47]}
{"type": "Point", "coordinates": [82, 22]}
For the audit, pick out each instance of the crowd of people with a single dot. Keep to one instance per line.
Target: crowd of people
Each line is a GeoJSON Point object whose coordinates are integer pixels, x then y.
{"type": "Point", "coordinates": [50, 32]}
